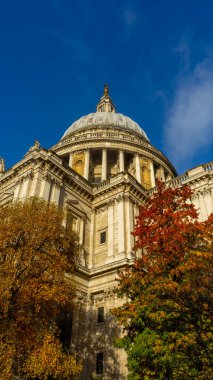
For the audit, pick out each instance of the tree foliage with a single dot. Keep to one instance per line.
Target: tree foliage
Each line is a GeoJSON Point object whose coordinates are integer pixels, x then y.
{"type": "Point", "coordinates": [37, 261]}
{"type": "Point", "coordinates": [167, 318]}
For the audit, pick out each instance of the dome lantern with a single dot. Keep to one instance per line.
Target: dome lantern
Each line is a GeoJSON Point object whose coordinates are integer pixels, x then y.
{"type": "Point", "coordinates": [105, 104]}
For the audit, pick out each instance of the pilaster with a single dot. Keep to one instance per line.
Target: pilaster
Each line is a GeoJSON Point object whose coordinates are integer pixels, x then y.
{"type": "Point", "coordinates": [129, 227]}
{"type": "Point", "coordinates": [92, 237]}
{"type": "Point", "coordinates": [45, 188]}
{"type": "Point", "coordinates": [110, 230]}
{"type": "Point", "coordinates": [55, 193]}
{"type": "Point", "coordinates": [121, 225]}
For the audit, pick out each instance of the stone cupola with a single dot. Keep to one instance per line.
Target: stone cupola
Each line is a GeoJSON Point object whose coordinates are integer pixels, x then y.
{"type": "Point", "coordinates": [105, 104]}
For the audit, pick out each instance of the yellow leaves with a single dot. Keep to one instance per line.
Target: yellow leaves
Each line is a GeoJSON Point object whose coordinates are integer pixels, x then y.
{"type": "Point", "coordinates": [50, 360]}
{"type": "Point", "coordinates": [158, 346]}
{"type": "Point", "coordinates": [185, 341]}
{"type": "Point", "coordinates": [157, 315]}
{"type": "Point", "coordinates": [6, 360]}
{"type": "Point", "coordinates": [36, 253]}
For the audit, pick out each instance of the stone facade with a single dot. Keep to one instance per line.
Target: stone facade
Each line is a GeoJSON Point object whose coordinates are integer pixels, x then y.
{"type": "Point", "coordinates": [101, 170]}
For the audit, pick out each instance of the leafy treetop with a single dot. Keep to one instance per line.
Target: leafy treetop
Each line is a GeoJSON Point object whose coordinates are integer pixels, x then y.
{"type": "Point", "coordinates": [38, 255]}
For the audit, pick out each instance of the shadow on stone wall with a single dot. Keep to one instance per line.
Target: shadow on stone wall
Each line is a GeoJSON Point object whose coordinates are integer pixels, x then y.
{"type": "Point", "coordinates": [93, 338]}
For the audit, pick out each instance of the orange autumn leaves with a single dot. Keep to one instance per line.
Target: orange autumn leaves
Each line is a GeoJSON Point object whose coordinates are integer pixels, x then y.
{"type": "Point", "coordinates": [36, 251]}
{"type": "Point", "coordinates": [168, 316]}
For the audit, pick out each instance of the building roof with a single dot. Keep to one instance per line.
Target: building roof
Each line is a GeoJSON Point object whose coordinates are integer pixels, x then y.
{"type": "Point", "coordinates": [109, 119]}
{"type": "Point", "coordinates": [106, 116]}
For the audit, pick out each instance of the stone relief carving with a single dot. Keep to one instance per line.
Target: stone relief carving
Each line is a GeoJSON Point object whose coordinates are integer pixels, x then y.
{"type": "Point", "coordinates": [103, 296]}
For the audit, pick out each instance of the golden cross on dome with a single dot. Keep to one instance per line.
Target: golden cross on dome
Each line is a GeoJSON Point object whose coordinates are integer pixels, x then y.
{"type": "Point", "coordinates": [106, 90]}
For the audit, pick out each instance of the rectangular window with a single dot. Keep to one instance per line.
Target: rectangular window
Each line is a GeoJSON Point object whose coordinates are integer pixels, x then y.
{"type": "Point", "coordinates": [100, 317]}
{"type": "Point", "coordinates": [103, 237]}
{"type": "Point", "coordinates": [72, 222]}
{"type": "Point", "coordinates": [100, 363]}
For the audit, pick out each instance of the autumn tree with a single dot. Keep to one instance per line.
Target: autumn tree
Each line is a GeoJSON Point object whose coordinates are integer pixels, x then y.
{"type": "Point", "coordinates": [167, 316]}
{"type": "Point", "coordinates": [38, 256]}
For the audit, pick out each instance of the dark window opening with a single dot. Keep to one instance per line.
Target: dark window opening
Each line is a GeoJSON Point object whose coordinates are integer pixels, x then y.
{"type": "Point", "coordinates": [64, 323]}
{"type": "Point", "coordinates": [100, 363]}
{"type": "Point", "coordinates": [96, 166]}
{"type": "Point", "coordinates": [100, 318]}
{"type": "Point", "coordinates": [66, 159]}
{"type": "Point", "coordinates": [103, 237]}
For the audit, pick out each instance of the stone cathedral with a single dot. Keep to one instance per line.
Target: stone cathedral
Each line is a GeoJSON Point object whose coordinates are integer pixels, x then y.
{"type": "Point", "coordinates": [101, 170]}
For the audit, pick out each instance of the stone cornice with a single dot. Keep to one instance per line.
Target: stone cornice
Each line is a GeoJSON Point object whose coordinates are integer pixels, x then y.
{"type": "Point", "coordinates": [115, 266]}
{"type": "Point", "coordinates": [117, 181]}
{"type": "Point", "coordinates": [52, 165]}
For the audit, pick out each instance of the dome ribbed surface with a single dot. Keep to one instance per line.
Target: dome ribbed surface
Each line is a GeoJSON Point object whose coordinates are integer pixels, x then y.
{"type": "Point", "coordinates": [109, 119]}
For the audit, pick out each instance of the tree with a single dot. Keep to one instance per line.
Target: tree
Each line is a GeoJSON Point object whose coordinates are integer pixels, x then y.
{"type": "Point", "coordinates": [167, 317]}
{"type": "Point", "coordinates": [38, 256]}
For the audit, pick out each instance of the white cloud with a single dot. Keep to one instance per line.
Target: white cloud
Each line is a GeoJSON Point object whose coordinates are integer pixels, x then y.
{"type": "Point", "coordinates": [189, 123]}
{"type": "Point", "coordinates": [184, 51]}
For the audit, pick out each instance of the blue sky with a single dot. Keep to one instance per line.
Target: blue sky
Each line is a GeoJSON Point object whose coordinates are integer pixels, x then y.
{"type": "Point", "coordinates": [156, 56]}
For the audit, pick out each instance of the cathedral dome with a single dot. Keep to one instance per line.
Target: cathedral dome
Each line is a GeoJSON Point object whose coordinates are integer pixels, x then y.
{"type": "Point", "coordinates": [105, 116]}
{"type": "Point", "coordinates": [108, 119]}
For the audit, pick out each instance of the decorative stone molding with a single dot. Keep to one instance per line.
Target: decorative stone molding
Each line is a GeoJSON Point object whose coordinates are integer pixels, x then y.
{"type": "Point", "coordinates": [82, 296]}
{"type": "Point", "coordinates": [97, 298]}
{"type": "Point", "coordinates": [103, 296]}
{"type": "Point", "coordinates": [101, 209]}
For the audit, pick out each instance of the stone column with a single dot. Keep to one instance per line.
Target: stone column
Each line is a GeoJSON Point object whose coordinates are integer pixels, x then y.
{"type": "Point", "coordinates": [86, 164]}
{"type": "Point", "coordinates": [152, 174]}
{"type": "Point", "coordinates": [137, 167]}
{"type": "Point", "coordinates": [104, 165]}
{"type": "Point", "coordinates": [162, 174]}
{"type": "Point", "coordinates": [121, 161]}
{"type": "Point", "coordinates": [70, 160]}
